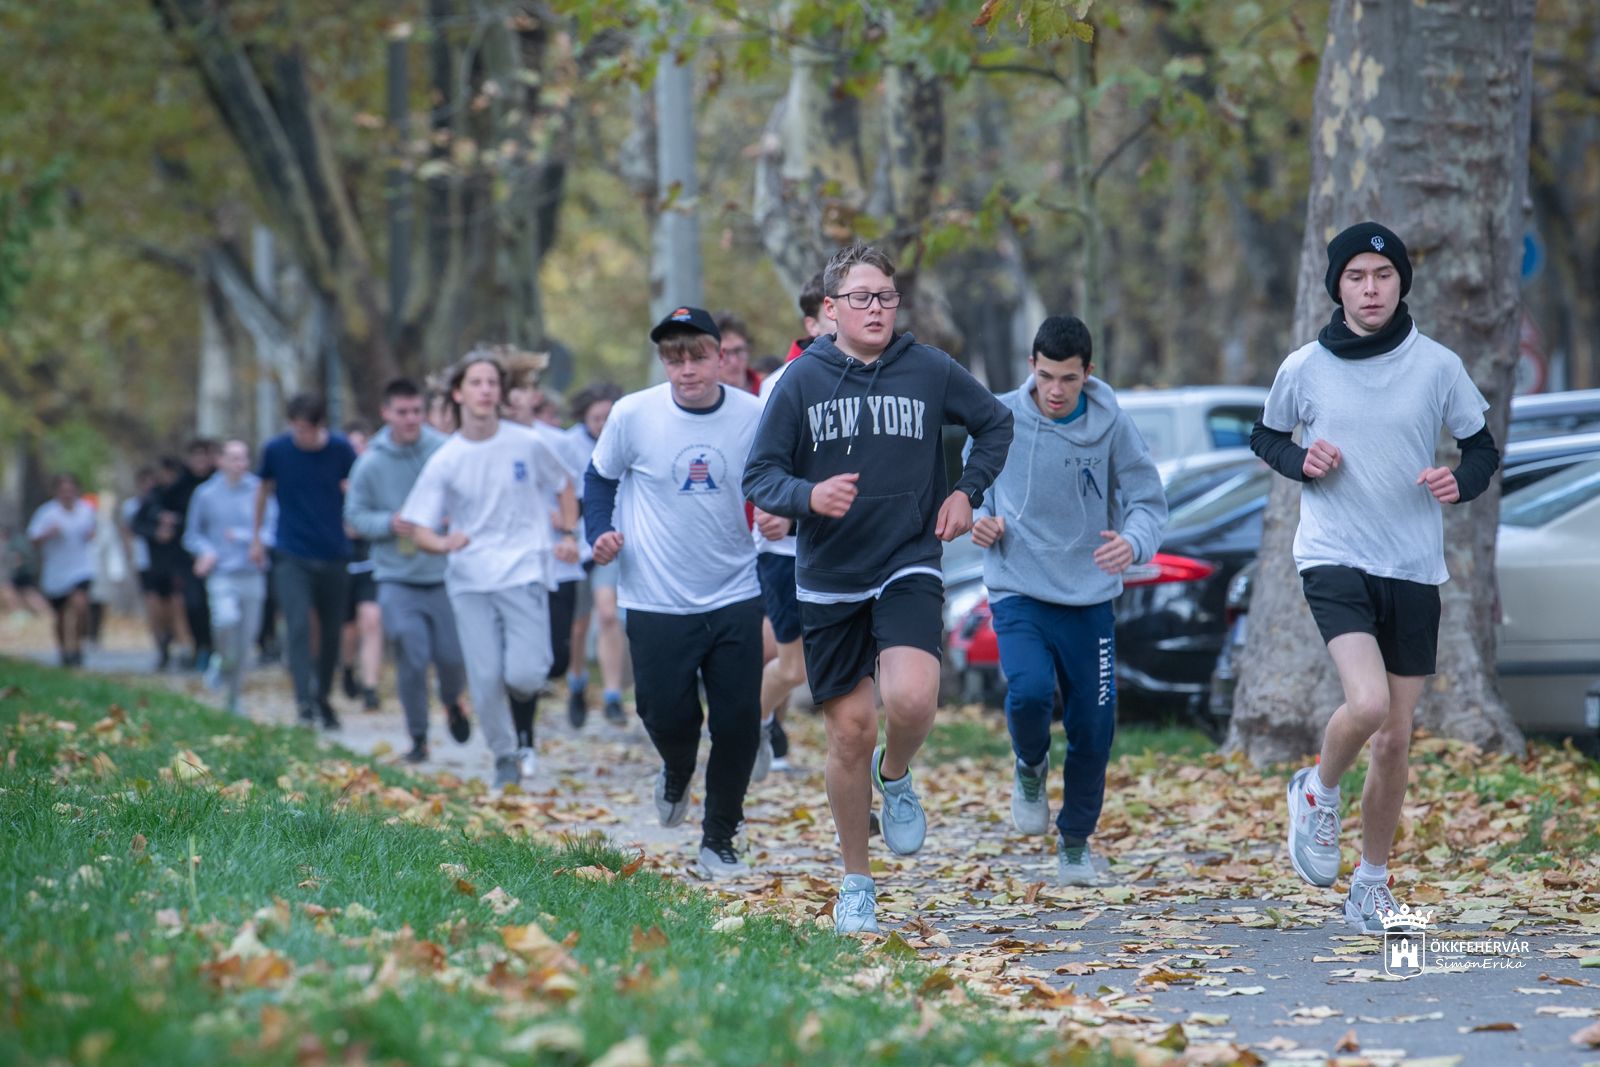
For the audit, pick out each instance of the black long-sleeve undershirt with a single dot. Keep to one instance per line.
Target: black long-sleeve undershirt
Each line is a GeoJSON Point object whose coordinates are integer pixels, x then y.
{"type": "Point", "coordinates": [1480, 458]}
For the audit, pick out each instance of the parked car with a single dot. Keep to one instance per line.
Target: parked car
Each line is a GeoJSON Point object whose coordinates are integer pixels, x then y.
{"type": "Point", "coordinates": [1553, 414]}
{"type": "Point", "coordinates": [1170, 623]}
{"type": "Point", "coordinates": [1547, 566]}
{"type": "Point", "coordinates": [1193, 419]}
{"type": "Point", "coordinates": [1530, 459]}
{"type": "Point", "coordinates": [1547, 563]}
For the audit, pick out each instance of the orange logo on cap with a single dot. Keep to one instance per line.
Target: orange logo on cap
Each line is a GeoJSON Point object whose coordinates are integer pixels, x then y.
{"type": "Point", "coordinates": [681, 313]}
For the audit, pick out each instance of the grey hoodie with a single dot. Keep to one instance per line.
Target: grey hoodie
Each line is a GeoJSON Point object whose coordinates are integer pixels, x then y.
{"type": "Point", "coordinates": [220, 519]}
{"type": "Point", "coordinates": [1062, 484]}
{"type": "Point", "coordinates": [379, 484]}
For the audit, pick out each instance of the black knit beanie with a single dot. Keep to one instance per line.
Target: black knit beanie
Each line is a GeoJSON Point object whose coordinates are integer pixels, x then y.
{"type": "Point", "coordinates": [1367, 237]}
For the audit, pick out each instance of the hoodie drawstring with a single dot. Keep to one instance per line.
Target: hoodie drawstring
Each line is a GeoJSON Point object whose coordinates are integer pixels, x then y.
{"type": "Point", "coordinates": [815, 441]}
{"type": "Point", "coordinates": [855, 427]}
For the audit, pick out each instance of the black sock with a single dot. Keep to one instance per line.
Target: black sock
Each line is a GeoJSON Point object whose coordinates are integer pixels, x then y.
{"type": "Point", "coordinates": [524, 710]}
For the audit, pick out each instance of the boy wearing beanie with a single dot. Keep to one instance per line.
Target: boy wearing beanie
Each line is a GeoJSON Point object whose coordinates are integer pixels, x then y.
{"type": "Point", "coordinates": [1371, 392]}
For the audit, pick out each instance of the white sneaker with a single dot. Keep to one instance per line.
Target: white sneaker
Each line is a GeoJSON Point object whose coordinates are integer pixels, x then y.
{"type": "Point", "coordinates": [1075, 866]}
{"type": "Point", "coordinates": [763, 764]}
{"type": "Point", "coordinates": [1030, 805]}
{"type": "Point", "coordinates": [905, 826]}
{"type": "Point", "coordinates": [1313, 833]}
{"type": "Point", "coordinates": [527, 762]}
{"type": "Point", "coordinates": [719, 860]}
{"type": "Point", "coordinates": [670, 812]}
{"type": "Point", "coordinates": [856, 911]}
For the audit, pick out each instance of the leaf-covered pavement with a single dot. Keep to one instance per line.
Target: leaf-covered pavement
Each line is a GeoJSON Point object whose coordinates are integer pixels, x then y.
{"type": "Point", "coordinates": [1204, 947]}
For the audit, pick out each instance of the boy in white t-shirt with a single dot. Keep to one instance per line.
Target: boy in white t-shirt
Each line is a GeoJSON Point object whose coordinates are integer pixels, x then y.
{"type": "Point", "coordinates": [1371, 393]}
{"type": "Point", "coordinates": [492, 481]}
{"type": "Point", "coordinates": [62, 530]}
{"type": "Point", "coordinates": [675, 456]}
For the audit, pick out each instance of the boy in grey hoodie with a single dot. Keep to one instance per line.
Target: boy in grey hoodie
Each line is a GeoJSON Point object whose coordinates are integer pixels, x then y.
{"type": "Point", "coordinates": [1078, 501]}
{"type": "Point", "coordinates": [216, 532]}
{"type": "Point", "coordinates": [416, 610]}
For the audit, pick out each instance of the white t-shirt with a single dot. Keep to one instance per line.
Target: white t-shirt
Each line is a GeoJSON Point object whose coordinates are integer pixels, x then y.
{"type": "Point", "coordinates": [66, 560]}
{"type": "Point", "coordinates": [1383, 414]}
{"type": "Point", "coordinates": [582, 448]}
{"type": "Point", "coordinates": [141, 547]}
{"type": "Point", "coordinates": [786, 546]}
{"type": "Point", "coordinates": [496, 491]}
{"type": "Point", "coordinates": [575, 462]}
{"type": "Point", "coordinates": [680, 506]}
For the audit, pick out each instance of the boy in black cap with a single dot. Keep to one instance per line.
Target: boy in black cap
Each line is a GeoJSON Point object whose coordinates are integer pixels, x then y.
{"type": "Point", "coordinates": [1371, 392]}
{"type": "Point", "coordinates": [676, 454]}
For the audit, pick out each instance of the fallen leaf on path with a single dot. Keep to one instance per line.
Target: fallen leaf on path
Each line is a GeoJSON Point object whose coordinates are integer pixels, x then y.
{"type": "Point", "coordinates": [1485, 1028]}
{"type": "Point", "coordinates": [1589, 1036]}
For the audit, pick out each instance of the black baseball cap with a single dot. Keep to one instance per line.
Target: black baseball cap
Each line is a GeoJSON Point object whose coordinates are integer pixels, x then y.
{"type": "Point", "coordinates": [696, 320]}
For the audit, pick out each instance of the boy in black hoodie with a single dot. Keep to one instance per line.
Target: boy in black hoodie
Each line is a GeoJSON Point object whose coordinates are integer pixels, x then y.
{"type": "Point", "coordinates": [867, 561]}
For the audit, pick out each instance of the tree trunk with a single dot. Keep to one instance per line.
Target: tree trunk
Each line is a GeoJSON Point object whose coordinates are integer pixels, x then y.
{"type": "Point", "coordinates": [1434, 142]}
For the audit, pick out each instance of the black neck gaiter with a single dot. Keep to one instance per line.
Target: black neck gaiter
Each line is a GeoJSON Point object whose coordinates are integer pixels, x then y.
{"type": "Point", "coordinates": [1337, 337]}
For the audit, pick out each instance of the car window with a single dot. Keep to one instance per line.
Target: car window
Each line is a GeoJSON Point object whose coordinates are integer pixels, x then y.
{"type": "Point", "coordinates": [1224, 499]}
{"type": "Point", "coordinates": [1159, 428]}
{"type": "Point", "coordinates": [1230, 426]}
{"type": "Point", "coordinates": [1185, 485]}
{"type": "Point", "coordinates": [1552, 497]}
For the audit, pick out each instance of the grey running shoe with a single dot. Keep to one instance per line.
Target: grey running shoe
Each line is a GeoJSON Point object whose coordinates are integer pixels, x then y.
{"type": "Point", "coordinates": [719, 861]}
{"type": "Point", "coordinates": [856, 911]}
{"type": "Point", "coordinates": [1075, 865]}
{"type": "Point", "coordinates": [1313, 833]}
{"type": "Point", "coordinates": [1366, 904]}
{"type": "Point", "coordinates": [904, 824]}
{"type": "Point", "coordinates": [670, 809]}
{"type": "Point", "coordinates": [763, 765]}
{"type": "Point", "coordinates": [577, 708]}
{"type": "Point", "coordinates": [614, 713]}
{"type": "Point", "coordinates": [1030, 807]}
{"type": "Point", "coordinates": [507, 771]}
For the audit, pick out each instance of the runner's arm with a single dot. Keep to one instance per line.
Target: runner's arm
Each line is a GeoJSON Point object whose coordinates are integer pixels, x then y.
{"type": "Point", "coordinates": [769, 480]}
{"type": "Point", "coordinates": [1479, 460]}
{"type": "Point", "coordinates": [599, 503]}
{"type": "Point", "coordinates": [1279, 451]}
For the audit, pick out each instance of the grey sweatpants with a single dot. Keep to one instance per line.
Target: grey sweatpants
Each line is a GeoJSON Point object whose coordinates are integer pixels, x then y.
{"type": "Point", "coordinates": [418, 621]}
{"type": "Point", "coordinates": [505, 636]}
{"type": "Point", "coordinates": [235, 601]}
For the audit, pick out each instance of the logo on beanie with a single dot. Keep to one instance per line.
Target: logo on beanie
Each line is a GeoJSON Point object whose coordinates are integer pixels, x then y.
{"type": "Point", "coordinates": [1377, 242]}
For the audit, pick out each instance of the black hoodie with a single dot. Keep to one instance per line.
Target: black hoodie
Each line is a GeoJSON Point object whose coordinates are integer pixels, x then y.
{"type": "Point", "coordinates": [832, 414]}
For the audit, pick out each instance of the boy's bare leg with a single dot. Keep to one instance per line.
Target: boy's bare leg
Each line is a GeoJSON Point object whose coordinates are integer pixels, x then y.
{"type": "Point", "coordinates": [852, 724]}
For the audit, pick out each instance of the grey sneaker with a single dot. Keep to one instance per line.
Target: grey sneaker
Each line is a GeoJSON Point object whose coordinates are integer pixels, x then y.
{"type": "Point", "coordinates": [671, 810]}
{"type": "Point", "coordinates": [719, 861]}
{"type": "Point", "coordinates": [507, 771]}
{"type": "Point", "coordinates": [904, 824]}
{"type": "Point", "coordinates": [1030, 807]}
{"type": "Point", "coordinates": [763, 766]}
{"type": "Point", "coordinates": [1365, 905]}
{"type": "Point", "coordinates": [1313, 833]}
{"type": "Point", "coordinates": [1075, 866]}
{"type": "Point", "coordinates": [856, 911]}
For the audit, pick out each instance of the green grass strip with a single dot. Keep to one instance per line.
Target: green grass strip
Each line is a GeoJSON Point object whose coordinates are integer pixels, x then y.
{"type": "Point", "coordinates": [154, 912]}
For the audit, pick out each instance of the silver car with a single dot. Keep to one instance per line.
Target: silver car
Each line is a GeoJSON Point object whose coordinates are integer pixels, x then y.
{"type": "Point", "coordinates": [1548, 569]}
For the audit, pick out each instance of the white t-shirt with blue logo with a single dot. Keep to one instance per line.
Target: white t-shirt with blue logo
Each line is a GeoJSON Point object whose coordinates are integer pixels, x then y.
{"type": "Point", "coordinates": [497, 491]}
{"type": "Point", "coordinates": [680, 506]}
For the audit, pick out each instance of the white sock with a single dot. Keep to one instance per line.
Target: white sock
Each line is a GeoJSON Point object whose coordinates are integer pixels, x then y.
{"type": "Point", "coordinates": [1369, 872]}
{"type": "Point", "coordinates": [766, 720]}
{"type": "Point", "coordinates": [1326, 796]}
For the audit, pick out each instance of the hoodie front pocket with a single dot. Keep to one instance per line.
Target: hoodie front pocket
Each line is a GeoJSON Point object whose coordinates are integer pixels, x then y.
{"type": "Point", "coordinates": [869, 534]}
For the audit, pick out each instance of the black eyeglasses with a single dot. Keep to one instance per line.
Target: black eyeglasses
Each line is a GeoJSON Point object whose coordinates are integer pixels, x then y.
{"type": "Point", "coordinates": [861, 301]}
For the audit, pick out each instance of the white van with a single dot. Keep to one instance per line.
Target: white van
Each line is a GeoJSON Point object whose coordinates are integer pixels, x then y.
{"type": "Point", "coordinates": [1177, 423]}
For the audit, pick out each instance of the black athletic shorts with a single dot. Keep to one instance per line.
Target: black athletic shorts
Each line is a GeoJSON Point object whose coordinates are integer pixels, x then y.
{"type": "Point", "coordinates": [776, 573]}
{"type": "Point", "coordinates": [59, 603]}
{"type": "Point", "coordinates": [363, 590]}
{"type": "Point", "coordinates": [157, 583]}
{"type": "Point", "coordinates": [1402, 615]}
{"type": "Point", "coordinates": [842, 641]}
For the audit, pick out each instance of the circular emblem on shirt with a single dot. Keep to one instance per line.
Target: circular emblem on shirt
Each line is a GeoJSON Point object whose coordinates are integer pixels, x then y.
{"type": "Point", "coordinates": [700, 469]}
